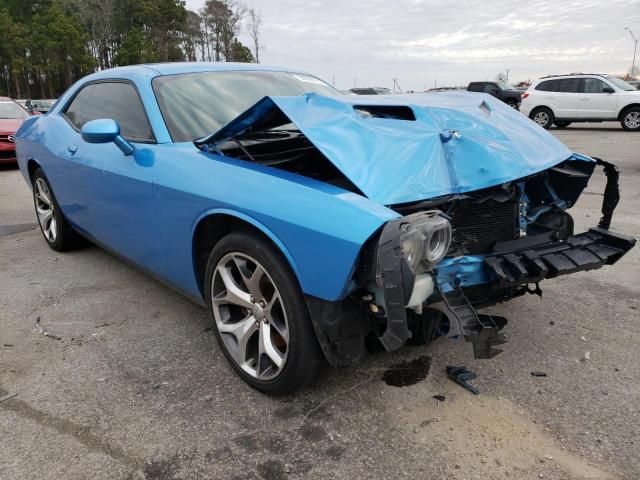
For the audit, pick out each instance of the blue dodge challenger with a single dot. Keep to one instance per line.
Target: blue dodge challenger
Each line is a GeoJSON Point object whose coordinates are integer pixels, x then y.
{"type": "Point", "coordinates": [309, 223]}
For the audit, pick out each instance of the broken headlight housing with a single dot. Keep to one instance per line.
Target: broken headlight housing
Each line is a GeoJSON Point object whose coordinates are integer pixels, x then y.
{"type": "Point", "coordinates": [425, 240]}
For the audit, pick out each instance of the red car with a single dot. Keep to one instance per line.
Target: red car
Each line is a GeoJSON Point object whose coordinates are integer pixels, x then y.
{"type": "Point", "coordinates": [11, 117]}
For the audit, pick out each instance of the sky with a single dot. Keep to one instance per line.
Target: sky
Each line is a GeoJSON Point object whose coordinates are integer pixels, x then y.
{"type": "Point", "coordinates": [423, 43]}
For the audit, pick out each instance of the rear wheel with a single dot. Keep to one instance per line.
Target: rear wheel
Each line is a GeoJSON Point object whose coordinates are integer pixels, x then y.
{"type": "Point", "coordinates": [631, 119]}
{"type": "Point", "coordinates": [55, 229]}
{"type": "Point", "coordinates": [543, 117]}
{"type": "Point", "coordinates": [260, 318]}
{"type": "Point", "coordinates": [561, 124]}
{"type": "Point", "coordinates": [512, 104]}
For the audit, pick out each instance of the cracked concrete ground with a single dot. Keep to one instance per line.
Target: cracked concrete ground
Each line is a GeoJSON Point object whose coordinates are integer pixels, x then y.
{"type": "Point", "coordinates": [137, 388]}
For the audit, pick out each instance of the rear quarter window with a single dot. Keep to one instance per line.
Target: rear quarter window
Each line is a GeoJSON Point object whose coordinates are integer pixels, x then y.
{"type": "Point", "coordinates": [547, 86]}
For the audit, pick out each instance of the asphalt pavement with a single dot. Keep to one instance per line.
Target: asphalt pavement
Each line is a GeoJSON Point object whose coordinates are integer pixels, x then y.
{"type": "Point", "coordinates": [129, 383]}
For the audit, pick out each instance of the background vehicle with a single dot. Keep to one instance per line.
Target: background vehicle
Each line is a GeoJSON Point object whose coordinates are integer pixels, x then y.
{"type": "Point", "coordinates": [500, 90]}
{"type": "Point", "coordinates": [371, 91]}
{"type": "Point", "coordinates": [303, 219]}
{"type": "Point", "coordinates": [11, 117]}
{"type": "Point", "coordinates": [563, 99]}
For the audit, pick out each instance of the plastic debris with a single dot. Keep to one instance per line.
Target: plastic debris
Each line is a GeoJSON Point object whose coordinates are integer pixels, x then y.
{"type": "Point", "coordinates": [461, 376]}
{"type": "Point", "coordinates": [538, 374]}
{"type": "Point", "coordinates": [43, 331]}
{"type": "Point", "coordinates": [7, 396]}
{"type": "Point", "coordinates": [440, 398]}
{"type": "Point", "coordinates": [587, 356]}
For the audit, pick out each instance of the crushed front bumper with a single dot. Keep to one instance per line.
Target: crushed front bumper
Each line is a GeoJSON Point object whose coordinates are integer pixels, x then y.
{"type": "Point", "coordinates": [585, 251]}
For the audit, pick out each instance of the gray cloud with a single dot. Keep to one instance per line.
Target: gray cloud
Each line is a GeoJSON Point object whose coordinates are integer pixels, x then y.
{"type": "Point", "coordinates": [420, 42]}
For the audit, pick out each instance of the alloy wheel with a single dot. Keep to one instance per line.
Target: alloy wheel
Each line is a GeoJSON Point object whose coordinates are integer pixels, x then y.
{"type": "Point", "coordinates": [541, 118]}
{"type": "Point", "coordinates": [632, 120]}
{"type": "Point", "coordinates": [45, 210]}
{"type": "Point", "coordinates": [250, 316]}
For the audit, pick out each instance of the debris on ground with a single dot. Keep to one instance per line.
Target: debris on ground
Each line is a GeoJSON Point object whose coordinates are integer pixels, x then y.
{"type": "Point", "coordinates": [43, 331]}
{"type": "Point", "coordinates": [537, 373]}
{"type": "Point", "coordinates": [461, 376]}
{"type": "Point", "coordinates": [440, 398]}
{"type": "Point", "coordinates": [7, 396]}
{"type": "Point", "coordinates": [583, 338]}
{"type": "Point", "coordinates": [586, 356]}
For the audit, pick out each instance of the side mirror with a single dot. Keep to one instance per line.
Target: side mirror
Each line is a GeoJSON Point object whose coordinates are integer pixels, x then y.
{"type": "Point", "coordinates": [105, 130]}
{"type": "Point", "coordinates": [608, 89]}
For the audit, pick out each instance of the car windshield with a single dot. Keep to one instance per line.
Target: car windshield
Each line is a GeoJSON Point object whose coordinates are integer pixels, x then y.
{"type": "Point", "coordinates": [12, 110]}
{"type": "Point", "coordinates": [197, 104]}
{"type": "Point", "coordinates": [621, 84]}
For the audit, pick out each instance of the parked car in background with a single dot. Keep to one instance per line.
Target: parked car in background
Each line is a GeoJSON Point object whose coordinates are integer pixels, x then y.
{"type": "Point", "coordinates": [634, 83]}
{"type": "Point", "coordinates": [11, 117]}
{"type": "Point", "coordinates": [500, 90]}
{"type": "Point", "coordinates": [371, 91]}
{"type": "Point", "coordinates": [305, 220]}
{"type": "Point", "coordinates": [563, 99]}
{"type": "Point", "coordinates": [40, 106]}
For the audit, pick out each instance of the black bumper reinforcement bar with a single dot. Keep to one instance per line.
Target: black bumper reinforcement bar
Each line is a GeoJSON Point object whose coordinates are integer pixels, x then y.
{"type": "Point", "coordinates": [585, 251]}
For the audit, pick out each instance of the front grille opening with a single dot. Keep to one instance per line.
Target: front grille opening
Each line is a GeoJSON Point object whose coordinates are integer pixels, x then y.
{"type": "Point", "coordinates": [477, 227]}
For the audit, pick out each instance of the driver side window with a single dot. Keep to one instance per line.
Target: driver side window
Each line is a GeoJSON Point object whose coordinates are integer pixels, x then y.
{"type": "Point", "coordinates": [116, 100]}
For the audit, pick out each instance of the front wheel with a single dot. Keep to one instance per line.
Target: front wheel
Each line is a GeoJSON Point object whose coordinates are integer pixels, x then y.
{"type": "Point", "coordinates": [54, 227]}
{"type": "Point", "coordinates": [543, 117]}
{"type": "Point", "coordinates": [513, 104]}
{"type": "Point", "coordinates": [631, 119]}
{"type": "Point", "coordinates": [260, 317]}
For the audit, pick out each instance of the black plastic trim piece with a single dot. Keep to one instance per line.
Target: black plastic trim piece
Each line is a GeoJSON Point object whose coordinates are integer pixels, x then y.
{"type": "Point", "coordinates": [391, 268]}
{"type": "Point", "coordinates": [585, 251]}
{"type": "Point", "coordinates": [341, 328]}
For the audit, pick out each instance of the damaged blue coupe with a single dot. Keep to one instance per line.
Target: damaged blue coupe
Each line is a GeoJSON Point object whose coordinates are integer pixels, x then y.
{"type": "Point", "coordinates": [309, 223]}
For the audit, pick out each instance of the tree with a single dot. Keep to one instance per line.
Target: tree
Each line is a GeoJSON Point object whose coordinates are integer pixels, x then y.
{"type": "Point", "coordinates": [240, 53]}
{"type": "Point", "coordinates": [255, 25]}
{"type": "Point", "coordinates": [501, 77]}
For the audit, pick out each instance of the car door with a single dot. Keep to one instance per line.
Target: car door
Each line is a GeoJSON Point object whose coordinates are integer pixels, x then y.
{"type": "Point", "coordinates": [566, 98]}
{"type": "Point", "coordinates": [596, 102]}
{"type": "Point", "coordinates": [117, 189]}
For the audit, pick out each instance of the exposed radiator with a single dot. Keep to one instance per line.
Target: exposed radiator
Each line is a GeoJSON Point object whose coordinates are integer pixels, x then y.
{"type": "Point", "coordinates": [477, 227]}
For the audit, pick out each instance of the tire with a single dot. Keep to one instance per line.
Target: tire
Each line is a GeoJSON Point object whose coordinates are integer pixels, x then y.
{"type": "Point", "coordinates": [262, 325]}
{"type": "Point", "coordinates": [561, 124]}
{"type": "Point", "coordinates": [543, 116]}
{"type": "Point", "coordinates": [512, 104]}
{"type": "Point", "coordinates": [55, 229]}
{"type": "Point", "coordinates": [630, 120]}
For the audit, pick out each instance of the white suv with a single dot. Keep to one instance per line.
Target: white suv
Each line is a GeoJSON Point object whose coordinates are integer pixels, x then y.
{"type": "Point", "coordinates": [562, 99]}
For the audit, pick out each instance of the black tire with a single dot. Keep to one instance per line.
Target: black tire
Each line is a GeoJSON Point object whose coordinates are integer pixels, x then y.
{"type": "Point", "coordinates": [65, 237]}
{"type": "Point", "coordinates": [630, 119]}
{"type": "Point", "coordinates": [543, 116]}
{"type": "Point", "coordinates": [513, 104]}
{"type": "Point", "coordinates": [304, 358]}
{"type": "Point", "coordinates": [561, 124]}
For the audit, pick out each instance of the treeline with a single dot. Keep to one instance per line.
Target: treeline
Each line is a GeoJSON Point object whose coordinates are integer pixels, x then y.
{"type": "Point", "coordinates": [46, 45]}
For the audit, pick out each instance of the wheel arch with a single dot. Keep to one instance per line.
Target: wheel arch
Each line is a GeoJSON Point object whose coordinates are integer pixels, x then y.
{"type": "Point", "coordinates": [626, 108]}
{"type": "Point", "coordinates": [539, 107]}
{"type": "Point", "coordinates": [32, 166]}
{"type": "Point", "coordinates": [213, 225]}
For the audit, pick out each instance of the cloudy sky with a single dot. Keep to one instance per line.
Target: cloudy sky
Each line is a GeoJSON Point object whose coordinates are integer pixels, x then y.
{"type": "Point", "coordinates": [421, 42]}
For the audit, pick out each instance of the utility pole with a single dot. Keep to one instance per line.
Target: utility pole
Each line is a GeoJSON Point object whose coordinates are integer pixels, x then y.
{"type": "Point", "coordinates": [635, 48]}
{"type": "Point", "coordinates": [507, 76]}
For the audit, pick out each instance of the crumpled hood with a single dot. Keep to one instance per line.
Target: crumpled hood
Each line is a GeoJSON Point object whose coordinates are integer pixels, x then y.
{"type": "Point", "coordinates": [437, 144]}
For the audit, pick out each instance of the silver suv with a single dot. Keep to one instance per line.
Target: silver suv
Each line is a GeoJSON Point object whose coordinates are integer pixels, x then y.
{"type": "Point", "coordinates": [580, 97]}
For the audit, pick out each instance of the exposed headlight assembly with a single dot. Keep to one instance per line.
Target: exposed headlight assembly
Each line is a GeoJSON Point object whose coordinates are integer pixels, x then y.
{"type": "Point", "coordinates": [425, 239]}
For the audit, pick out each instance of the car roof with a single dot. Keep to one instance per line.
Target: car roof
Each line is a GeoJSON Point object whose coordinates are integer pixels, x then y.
{"type": "Point", "coordinates": [176, 68]}
{"type": "Point", "coordinates": [577, 75]}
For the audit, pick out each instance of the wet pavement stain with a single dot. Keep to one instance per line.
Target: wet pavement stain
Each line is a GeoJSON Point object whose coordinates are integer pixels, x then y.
{"type": "Point", "coordinates": [407, 373]}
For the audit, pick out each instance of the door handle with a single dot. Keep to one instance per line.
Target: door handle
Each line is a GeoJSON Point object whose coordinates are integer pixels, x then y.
{"type": "Point", "coordinates": [72, 149]}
